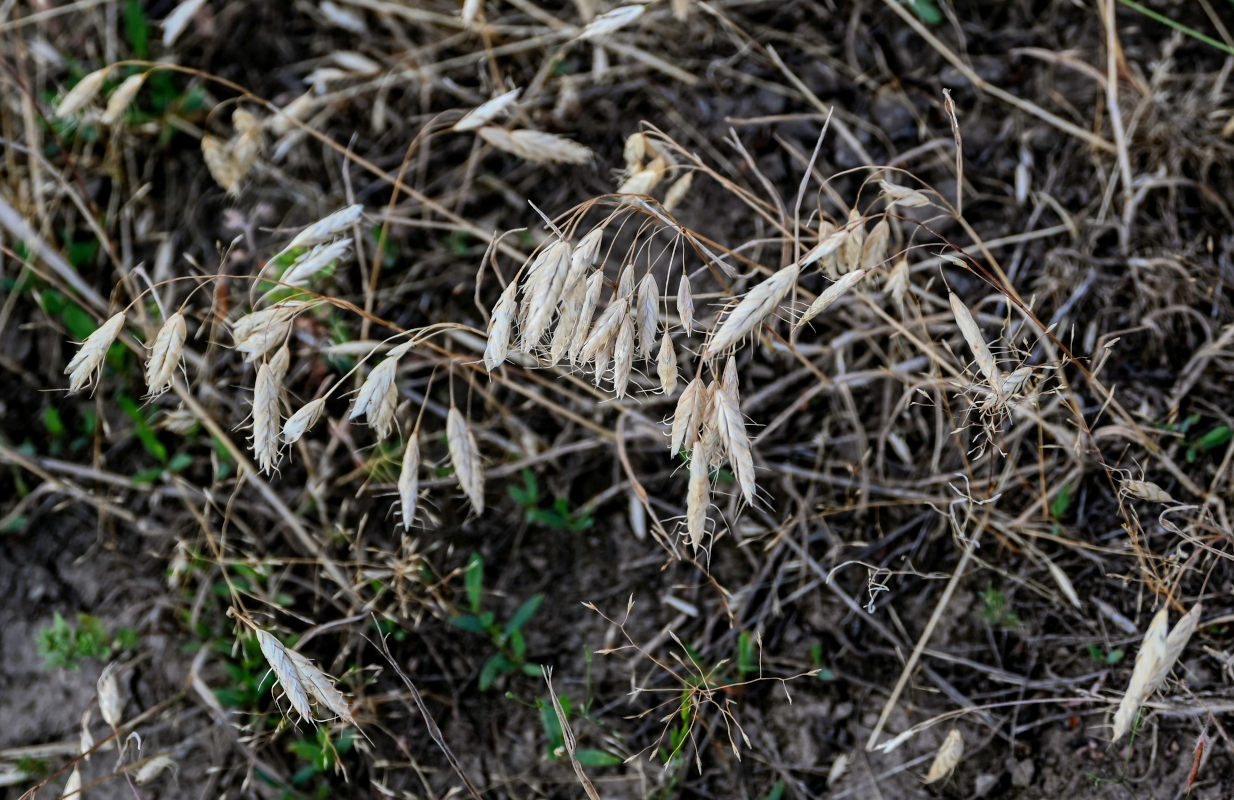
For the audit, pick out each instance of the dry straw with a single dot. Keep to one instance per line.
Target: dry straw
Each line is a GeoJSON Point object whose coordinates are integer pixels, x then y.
{"type": "Point", "coordinates": [753, 309]}
{"type": "Point", "coordinates": [465, 457]}
{"type": "Point", "coordinates": [87, 364]}
{"type": "Point", "coordinates": [976, 342]}
{"type": "Point", "coordinates": [536, 146]}
{"type": "Point", "coordinates": [176, 21]}
{"type": "Point", "coordinates": [165, 355]}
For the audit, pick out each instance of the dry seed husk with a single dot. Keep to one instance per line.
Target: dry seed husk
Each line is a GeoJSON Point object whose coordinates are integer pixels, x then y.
{"type": "Point", "coordinates": [948, 756]}
{"type": "Point", "coordinates": [641, 182]}
{"type": "Point", "coordinates": [976, 342]}
{"type": "Point", "coordinates": [647, 314]}
{"type": "Point", "coordinates": [286, 673]}
{"type": "Point", "coordinates": [686, 417]}
{"type": "Point", "coordinates": [605, 329]}
{"type": "Point", "coordinates": [86, 365]}
{"type": "Point", "coordinates": [726, 416]}
{"type": "Point", "coordinates": [591, 299]}
{"type": "Point", "coordinates": [612, 20]}
{"type": "Point", "coordinates": [110, 704]}
{"type": "Point", "coordinates": [266, 417]}
{"type": "Point", "coordinates": [165, 355]}
{"type": "Point", "coordinates": [409, 480]}
{"type": "Point", "coordinates": [254, 334]}
{"type": "Point", "coordinates": [300, 422]}
{"type": "Point", "coordinates": [1146, 490]}
{"type": "Point", "coordinates": [567, 321]}
{"type": "Point", "coordinates": [176, 21]}
{"type": "Point", "coordinates": [72, 786]}
{"type": "Point", "coordinates": [753, 309]}
{"type": "Point", "coordinates": [122, 98]}
{"type": "Point", "coordinates": [378, 398]}
{"type": "Point", "coordinates": [831, 294]}
{"type": "Point", "coordinates": [1146, 673]}
{"type": "Point", "coordinates": [536, 146]}
{"type": "Point", "coordinates": [314, 261]}
{"type": "Point", "coordinates": [544, 283]}
{"type": "Point", "coordinates": [465, 457]}
{"type": "Point", "coordinates": [321, 687]}
{"type": "Point", "coordinates": [678, 191]}
{"type": "Point", "coordinates": [902, 195]}
{"type": "Point", "coordinates": [697, 496]}
{"type": "Point", "coordinates": [634, 151]}
{"type": "Point", "coordinates": [623, 355]}
{"type": "Point", "coordinates": [153, 768]}
{"type": "Point", "coordinates": [82, 93]}
{"type": "Point", "coordinates": [325, 228]}
{"type": "Point", "coordinates": [853, 244]}
{"type": "Point", "coordinates": [586, 253]}
{"type": "Point", "coordinates": [874, 251]}
{"type": "Point", "coordinates": [666, 365]}
{"type": "Point", "coordinates": [685, 304]}
{"type": "Point", "coordinates": [500, 326]}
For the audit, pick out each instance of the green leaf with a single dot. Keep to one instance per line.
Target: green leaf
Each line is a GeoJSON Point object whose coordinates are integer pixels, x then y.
{"type": "Point", "coordinates": [525, 612]}
{"type": "Point", "coordinates": [925, 10]}
{"type": "Point", "coordinates": [1062, 502]}
{"type": "Point", "coordinates": [496, 664]}
{"type": "Point", "coordinates": [518, 646]}
{"type": "Point", "coordinates": [1215, 438]}
{"type": "Point", "coordinates": [149, 439]}
{"type": "Point", "coordinates": [597, 758]}
{"type": "Point", "coordinates": [52, 422]}
{"type": "Point", "coordinates": [137, 28]}
{"type": "Point", "coordinates": [473, 581]}
{"type": "Point", "coordinates": [777, 791]}
{"type": "Point", "coordinates": [532, 669]}
{"type": "Point", "coordinates": [469, 623]}
{"type": "Point", "coordinates": [527, 495]}
{"type": "Point", "coordinates": [552, 726]}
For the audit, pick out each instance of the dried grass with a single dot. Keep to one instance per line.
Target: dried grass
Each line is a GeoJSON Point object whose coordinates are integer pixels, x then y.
{"type": "Point", "coordinates": [465, 458]}
{"type": "Point", "coordinates": [85, 368]}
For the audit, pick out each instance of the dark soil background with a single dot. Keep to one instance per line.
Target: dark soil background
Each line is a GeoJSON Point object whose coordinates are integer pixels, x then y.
{"type": "Point", "coordinates": [777, 651]}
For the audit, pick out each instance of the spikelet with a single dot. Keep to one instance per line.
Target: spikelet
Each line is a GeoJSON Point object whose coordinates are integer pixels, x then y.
{"type": "Point", "coordinates": [647, 314]}
{"type": "Point", "coordinates": [686, 417]}
{"type": "Point", "coordinates": [898, 283]}
{"type": "Point", "coordinates": [378, 398]}
{"type": "Point", "coordinates": [1064, 583]}
{"type": "Point", "coordinates": [321, 687]}
{"type": "Point", "coordinates": [948, 756]}
{"type": "Point", "coordinates": [122, 98]}
{"type": "Point", "coordinates": [726, 417]}
{"type": "Point", "coordinates": [685, 304]}
{"type": "Point", "coordinates": [831, 294]}
{"type": "Point", "coordinates": [314, 261]}
{"type": "Point", "coordinates": [153, 768]}
{"type": "Point", "coordinates": [612, 20]}
{"type": "Point", "coordinates": [1012, 383]}
{"type": "Point", "coordinates": [853, 244]}
{"type": "Point", "coordinates": [697, 496]}
{"type": "Point", "coordinates": [591, 299]}
{"type": "Point", "coordinates": [1148, 664]}
{"type": "Point", "coordinates": [72, 786]}
{"type": "Point", "coordinates": [605, 329]}
{"type": "Point", "coordinates": [409, 480]}
{"type": "Point", "coordinates": [301, 680]}
{"type": "Point", "coordinates": [465, 457]}
{"type": "Point", "coordinates": [486, 112]}
{"type": "Point", "coordinates": [678, 191]}
{"type": "Point", "coordinates": [874, 251]}
{"type": "Point", "coordinates": [295, 111]}
{"type": "Point", "coordinates": [634, 151]}
{"type": "Point", "coordinates": [641, 182]}
{"type": "Point", "coordinates": [585, 253]}
{"type": "Point", "coordinates": [230, 161]}
{"type": "Point", "coordinates": [327, 227]}
{"type": "Point", "coordinates": [86, 366]}
{"type": "Point", "coordinates": [601, 358]}
{"type": "Point", "coordinates": [300, 422]}
{"type": "Point", "coordinates": [110, 705]}
{"type": "Point", "coordinates": [499, 327]}
{"type": "Point", "coordinates": [902, 195]}
{"type": "Point", "coordinates": [266, 416]}
{"type": "Point", "coordinates": [176, 21]}
{"type": "Point", "coordinates": [567, 321]}
{"type": "Point", "coordinates": [666, 365]}
{"type": "Point", "coordinates": [623, 354]}
{"type": "Point", "coordinates": [976, 342]}
{"type": "Point", "coordinates": [829, 241]}
{"type": "Point", "coordinates": [1145, 490]}
{"type": "Point", "coordinates": [165, 355]}
{"type": "Point", "coordinates": [82, 93]}
{"type": "Point", "coordinates": [87, 739]}
{"type": "Point", "coordinates": [536, 146]}
{"type": "Point", "coordinates": [753, 309]}
{"type": "Point", "coordinates": [544, 283]}
{"type": "Point", "coordinates": [469, 12]}
{"type": "Point", "coordinates": [625, 283]}
{"type": "Point", "coordinates": [255, 333]}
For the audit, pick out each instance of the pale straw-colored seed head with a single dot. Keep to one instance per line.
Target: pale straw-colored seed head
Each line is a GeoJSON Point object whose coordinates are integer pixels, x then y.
{"type": "Point", "coordinates": [87, 738]}
{"type": "Point", "coordinates": [86, 366]}
{"type": "Point", "coordinates": [678, 191]}
{"type": "Point", "coordinates": [899, 282]}
{"type": "Point", "coordinates": [634, 151]}
{"type": "Point", "coordinates": [1064, 583]}
{"type": "Point", "coordinates": [122, 98]}
{"type": "Point", "coordinates": [647, 314]}
{"type": "Point", "coordinates": [325, 228]}
{"type": "Point", "coordinates": [488, 111]}
{"type": "Point", "coordinates": [545, 281]}
{"type": "Point", "coordinates": [256, 333]}
{"type": "Point", "coordinates": [111, 705]}
{"type": "Point", "coordinates": [831, 294]}
{"type": "Point", "coordinates": [499, 327]}
{"type": "Point", "coordinates": [948, 756]}
{"type": "Point", "coordinates": [757, 304]}
{"type": "Point", "coordinates": [666, 365]}
{"type": "Point", "coordinates": [82, 93]}
{"type": "Point", "coordinates": [266, 417]}
{"type": "Point", "coordinates": [295, 686]}
{"type": "Point", "coordinates": [304, 419]}
{"type": "Point", "coordinates": [1148, 670]}
{"type": "Point", "coordinates": [612, 20]}
{"type": "Point", "coordinates": [280, 362]}
{"type": "Point", "coordinates": [874, 251]}
{"type": "Point", "coordinates": [567, 320]}
{"type": "Point", "coordinates": [698, 496]}
{"type": "Point", "coordinates": [641, 182]}
{"type": "Point", "coordinates": [685, 304]}
{"type": "Point", "coordinates": [1145, 490]}
{"type": "Point", "coordinates": [686, 416]}
{"type": "Point", "coordinates": [72, 786]}
{"type": "Point", "coordinates": [853, 244]}
{"type": "Point", "coordinates": [586, 252]}
{"type": "Point", "coordinates": [153, 768]}
{"type": "Point", "coordinates": [623, 355]}
{"type": "Point", "coordinates": [600, 362]}
{"type": "Point", "coordinates": [176, 21]}
{"type": "Point", "coordinates": [536, 146]}
{"type": "Point", "coordinates": [605, 330]}
{"type": "Point", "coordinates": [728, 423]}
{"type": "Point", "coordinates": [165, 355]}
{"type": "Point", "coordinates": [591, 299]}
{"type": "Point", "coordinates": [303, 269]}
{"type": "Point", "coordinates": [976, 342]}
{"type": "Point", "coordinates": [465, 458]}
{"type": "Point", "coordinates": [902, 196]}
{"type": "Point", "coordinates": [1013, 382]}
{"type": "Point", "coordinates": [409, 481]}
{"type": "Point", "coordinates": [295, 111]}
{"type": "Point", "coordinates": [378, 398]}
{"type": "Point", "coordinates": [625, 283]}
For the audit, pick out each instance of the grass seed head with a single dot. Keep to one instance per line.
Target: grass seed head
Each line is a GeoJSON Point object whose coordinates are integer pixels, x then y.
{"type": "Point", "coordinates": [567, 320]}
{"type": "Point", "coordinates": [698, 496]}
{"type": "Point", "coordinates": [86, 366]}
{"type": "Point", "coordinates": [948, 756]}
{"type": "Point", "coordinates": [465, 457]}
{"type": "Point", "coordinates": [612, 20]}
{"type": "Point", "coordinates": [409, 480]}
{"type": "Point", "coordinates": [544, 283]}
{"type": "Point", "coordinates": [378, 398]}
{"type": "Point", "coordinates": [854, 243]}
{"type": "Point", "coordinates": [266, 416]}
{"type": "Point", "coordinates": [72, 786]}
{"type": "Point", "coordinates": [686, 417]}
{"type": "Point", "coordinates": [1147, 673]}
{"type": "Point", "coordinates": [902, 196]}
{"type": "Point", "coordinates": [165, 355]}
{"type": "Point", "coordinates": [256, 333]}
{"type": "Point", "coordinates": [536, 146]}
{"type": "Point", "coordinates": [488, 111]}
{"type": "Point", "coordinates": [976, 342]}
{"type": "Point", "coordinates": [666, 365]}
{"type": "Point", "coordinates": [757, 304]}
{"type": "Point", "coordinates": [591, 299]}
{"type": "Point", "coordinates": [82, 93]}
{"type": "Point", "coordinates": [623, 355]}
{"type": "Point", "coordinates": [325, 228]}
{"type": "Point", "coordinates": [110, 705]}
{"type": "Point", "coordinates": [685, 304]}
{"type": "Point", "coordinates": [304, 419]}
{"type": "Point", "coordinates": [122, 98]}
{"type": "Point", "coordinates": [647, 314]}
{"type": "Point", "coordinates": [831, 294]}
{"type": "Point", "coordinates": [499, 327]}
{"type": "Point", "coordinates": [1145, 490]}
{"type": "Point", "coordinates": [678, 191]}
{"type": "Point", "coordinates": [874, 251]}
{"type": "Point", "coordinates": [285, 672]}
